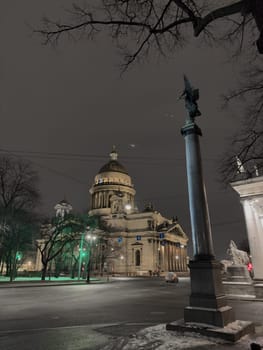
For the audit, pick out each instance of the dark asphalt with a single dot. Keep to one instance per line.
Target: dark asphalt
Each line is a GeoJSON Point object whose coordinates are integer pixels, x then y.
{"type": "Point", "coordinates": [86, 317]}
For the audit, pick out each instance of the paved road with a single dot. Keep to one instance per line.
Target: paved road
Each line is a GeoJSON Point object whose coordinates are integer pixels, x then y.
{"type": "Point", "coordinates": [85, 317]}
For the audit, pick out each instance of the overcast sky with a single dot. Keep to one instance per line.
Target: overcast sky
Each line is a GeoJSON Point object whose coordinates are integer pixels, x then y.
{"type": "Point", "coordinates": [71, 99]}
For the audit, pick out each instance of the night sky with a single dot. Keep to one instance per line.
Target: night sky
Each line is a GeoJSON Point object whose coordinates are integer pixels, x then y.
{"type": "Point", "coordinates": [72, 100]}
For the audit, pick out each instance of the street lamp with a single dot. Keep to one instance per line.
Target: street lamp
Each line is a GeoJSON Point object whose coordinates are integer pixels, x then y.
{"type": "Point", "coordinates": [91, 239]}
{"type": "Point", "coordinates": [80, 254]}
{"type": "Point", "coordinates": [85, 252]}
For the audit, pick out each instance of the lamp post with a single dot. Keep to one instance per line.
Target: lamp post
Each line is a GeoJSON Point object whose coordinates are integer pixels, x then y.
{"type": "Point", "coordinates": [80, 254]}
{"type": "Point", "coordinates": [91, 240]}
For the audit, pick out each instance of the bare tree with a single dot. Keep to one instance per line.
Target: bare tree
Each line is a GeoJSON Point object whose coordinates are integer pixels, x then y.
{"type": "Point", "coordinates": [110, 246]}
{"type": "Point", "coordinates": [55, 236]}
{"type": "Point", "coordinates": [136, 26]}
{"type": "Point", "coordinates": [18, 184]}
{"type": "Point", "coordinates": [18, 234]}
{"type": "Point", "coordinates": [18, 197]}
{"type": "Point", "coordinates": [109, 250]}
{"type": "Point", "coordinates": [139, 27]}
{"type": "Point", "coordinates": [247, 142]}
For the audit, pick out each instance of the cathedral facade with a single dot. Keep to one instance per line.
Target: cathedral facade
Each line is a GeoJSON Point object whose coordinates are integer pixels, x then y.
{"type": "Point", "coordinates": [138, 242]}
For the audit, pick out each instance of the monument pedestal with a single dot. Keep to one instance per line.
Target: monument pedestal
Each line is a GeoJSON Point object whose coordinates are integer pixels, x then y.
{"type": "Point", "coordinates": [208, 313]}
{"type": "Point", "coordinates": [208, 303]}
{"type": "Point", "coordinates": [238, 282]}
{"type": "Point", "coordinates": [258, 285]}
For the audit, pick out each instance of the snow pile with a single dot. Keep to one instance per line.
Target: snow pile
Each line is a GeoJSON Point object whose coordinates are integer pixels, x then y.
{"type": "Point", "coordinates": [235, 326]}
{"type": "Point", "coordinates": [158, 338]}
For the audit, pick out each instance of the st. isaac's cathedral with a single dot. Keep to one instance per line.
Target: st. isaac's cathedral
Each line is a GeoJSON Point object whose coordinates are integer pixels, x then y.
{"type": "Point", "coordinates": [130, 242]}
{"type": "Point", "coordinates": [143, 242]}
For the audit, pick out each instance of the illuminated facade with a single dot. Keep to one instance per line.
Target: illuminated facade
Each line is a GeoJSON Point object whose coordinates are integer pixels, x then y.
{"type": "Point", "coordinates": [251, 197]}
{"type": "Point", "coordinates": [142, 242]}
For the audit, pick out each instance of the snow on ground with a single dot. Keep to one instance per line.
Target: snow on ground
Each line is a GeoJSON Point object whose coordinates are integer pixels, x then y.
{"type": "Point", "coordinates": [158, 338]}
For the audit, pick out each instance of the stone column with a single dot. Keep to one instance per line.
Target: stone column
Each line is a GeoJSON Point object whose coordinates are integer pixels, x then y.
{"type": "Point", "coordinates": [200, 222]}
{"type": "Point", "coordinates": [169, 257]}
{"type": "Point", "coordinates": [255, 236]}
{"type": "Point", "coordinates": [208, 303]}
{"type": "Point", "coordinates": [173, 257]}
{"type": "Point", "coordinates": [176, 259]}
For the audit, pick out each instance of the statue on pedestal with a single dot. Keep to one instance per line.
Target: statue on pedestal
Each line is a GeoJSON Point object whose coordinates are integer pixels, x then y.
{"type": "Point", "coordinates": [191, 95]}
{"type": "Point", "coordinates": [239, 257]}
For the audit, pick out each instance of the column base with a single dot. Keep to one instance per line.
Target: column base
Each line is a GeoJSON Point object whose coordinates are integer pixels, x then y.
{"type": "Point", "coordinates": [238, 282]}
{"type": "Point", "coordinates": [232, 332]}
{"type": "Point", "coordinates": [215, 317]}
{"type": "Point", "coordinates": [208, 303]}
{"type": "Point", "coordinates": [258, 285]}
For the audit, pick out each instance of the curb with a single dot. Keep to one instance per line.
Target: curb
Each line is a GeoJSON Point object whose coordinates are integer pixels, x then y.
{"type": "Point", "coordinates": [47, 284]}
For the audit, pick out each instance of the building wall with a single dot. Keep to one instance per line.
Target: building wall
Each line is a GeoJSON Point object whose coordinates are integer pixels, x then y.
{"type": "Point", "coordinates": [156, 255]}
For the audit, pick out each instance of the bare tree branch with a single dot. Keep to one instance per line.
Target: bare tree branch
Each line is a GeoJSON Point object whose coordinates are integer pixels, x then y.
{"type": "Point", "coordinates": [145, 24]}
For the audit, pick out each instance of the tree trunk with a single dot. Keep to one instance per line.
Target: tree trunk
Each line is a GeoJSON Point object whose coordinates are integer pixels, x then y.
{"type": "Point", "coordinates": [88, 272]}
{"type": "Point", "coordinates": [257, 12]}
{"type": "Point", "coordinates": [73, 269]}
{"type": "Point", "coordinates": [43, 271]}
{"type": "Point", "coordinates": [13, 269]}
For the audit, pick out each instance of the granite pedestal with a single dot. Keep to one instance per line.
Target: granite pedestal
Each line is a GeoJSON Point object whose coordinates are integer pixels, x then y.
{"type": "Point", "coordinates": [208, 313]}
{"type": "Point", "coordinates": [238, 282]}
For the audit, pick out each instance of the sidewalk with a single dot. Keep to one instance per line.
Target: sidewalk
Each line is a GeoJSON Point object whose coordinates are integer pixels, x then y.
{"type": "Point", "coordinates": [25, 282]}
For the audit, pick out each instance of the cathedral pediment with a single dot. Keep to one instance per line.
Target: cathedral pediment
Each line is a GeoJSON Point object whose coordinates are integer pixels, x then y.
{"type": "Point", "coordinates": [177, 230]}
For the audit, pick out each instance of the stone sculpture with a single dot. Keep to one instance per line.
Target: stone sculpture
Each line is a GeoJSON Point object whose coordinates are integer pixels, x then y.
{"type": "Point", "coordinates": [191, 96]}
{"type": "Point", "coordinates": [239, 257]}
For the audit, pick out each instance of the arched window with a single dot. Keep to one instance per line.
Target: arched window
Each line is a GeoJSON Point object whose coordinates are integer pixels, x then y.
{"type": "Point", "coordinates": [137, 258]}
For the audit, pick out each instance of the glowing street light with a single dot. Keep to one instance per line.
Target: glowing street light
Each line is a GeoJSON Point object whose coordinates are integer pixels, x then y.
{"type": "Point", "coordinates": [91, 240]}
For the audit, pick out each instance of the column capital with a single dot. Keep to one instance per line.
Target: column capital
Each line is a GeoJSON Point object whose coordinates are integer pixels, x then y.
{"type": "Point", "coordinates": [191, 128]}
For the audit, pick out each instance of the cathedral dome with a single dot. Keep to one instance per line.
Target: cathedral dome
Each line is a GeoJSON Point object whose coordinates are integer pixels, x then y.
{"type": "Point", "coordinates": [112, 189]}
{"type": "Point", "coordinates": [113, 164]}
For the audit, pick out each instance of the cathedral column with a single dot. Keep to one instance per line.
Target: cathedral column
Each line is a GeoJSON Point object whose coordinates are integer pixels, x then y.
{"type": "Point", "coordinates": [173, 257]}
{"type": "Point", "coordinates": [107, 200]}
{"type": "Point", "coordinates": [185, 258]}
{"type": "Point", "coordinates": [176, 258]}
{"type": "Point", "coordinates": [168, 257]}
{"type": "Point", "coordinates": [104, 199]}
